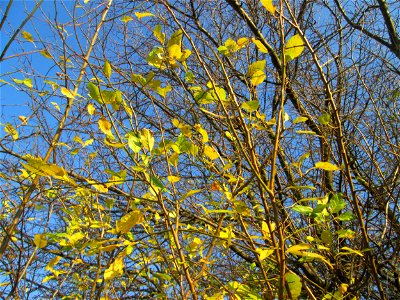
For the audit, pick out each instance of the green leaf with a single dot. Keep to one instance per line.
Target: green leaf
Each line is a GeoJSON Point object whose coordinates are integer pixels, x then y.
{"type": "Point", "coordinates": [294, 47]}
{"type": "Point", "coordinates": [94, 91]}
{"type": "Point", "coordinates": [40, 240]}
{"type": "Point", "coordinates": [134, 142]}
{"type": "Point", "coordinates": [336, 203]}
{"type": "Point", "coordinates": [159, 35]}
{"type": "Point", "coordinates": [346, 234]}
{"type": "Point", "coordinates": [299, 120]}
{"type": "Point", "coordinates": [27, 36]}
{"type": "Point", "coordinates": [107, 69]}
{"type": "Point", "coordinates": [302, 209]}
{"type": "Point", "coordinates": [324, 119]}
{"type": "Point", "coordinates": [294, 283]}
{"type": "Point", "coordinates": [327, 166]}
{"type": "Point", "coordinates": [250, 106]}
{"type": "Point", "coordinates": [347, 216]}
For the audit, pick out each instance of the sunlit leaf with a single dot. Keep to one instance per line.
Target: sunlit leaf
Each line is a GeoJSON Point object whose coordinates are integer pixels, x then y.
{"type": "Point", "coordinates": [324, 119]}
{"type": "Point", "coordinates": [299, 120]}
{"type": "Point", "coordinates": [268, 6]}
{"type": "Point", "coordinates": [294, 283]}
{"type": "Point", "coordinates": [27, 36]}
{"type": "Point", "coordinates": [350, 251]}
{"type": "Point", "coordinates": [67, 93]}
{"type": "Point", "coordinates": [27, 82]}
{"type": "Point", "coordinates": [141, 15]}
{"type": "Point", "coordinates": [45, 53]}
{"type": "Point", "coordinates": [11, 131]}
{"type": "Point", "coordinates": [105, 126]}
{"type": "Point", "coordinates": [134, 143]}
{"type": "Point", "coordinates": [128, 221]}
{"type": "Point", "coordinates": [297, 249]}
{"type": "Point", "coordinates": [294, 47]}
{"type": "Point", "coordinates": [210, 152]}
{"type": "Point", "coordinates": [40, 240]}
{"type": "Point", "coordinates": [107, 69]}
{"type": "Point", "coordinates": [90, 108]}
{"type": "Point", "coordinates": [264, 253]}
{"type": "Point", "coordinates": [251, 106]}
{"type": "Point", "coordinates": [159, 35]}
{"type": "Point", "coordinates": [336, 203]}
{"type": "Point", "coordinates": [203, 132]}
{"type": "Point", "coordinates": [256, 72]}
{"type": "Point", "coordinates": [260, 46]}
{"type": "Point", "coordinates": [147, 139]}
{"type": "Point", "coordinates": [302, 209]}
{"type": "Point", "coordinates": [126, 19]}
{"type": "Point", "coordinates": [327, 166]}
{"type": "Point", "coordinates": [115, 269]}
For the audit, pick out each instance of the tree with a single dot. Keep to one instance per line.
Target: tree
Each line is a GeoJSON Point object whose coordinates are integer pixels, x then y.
{"type": "Point", "coordinates": [201, 149]}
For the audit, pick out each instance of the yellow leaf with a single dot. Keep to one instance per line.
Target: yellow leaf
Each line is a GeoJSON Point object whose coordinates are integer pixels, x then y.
{"type": "Point", "coordinates": [67, 93]}
{"type": "Point", "coordinates": [294, 47]}
{"type": "Point", "coordinates": [210, 152]}
{"type": "Point", "coordinates": [296, 249]}
{"type": "Point", "coordinates": [115, 269]}
{"type": "Point", "coordinates": [173, 179]}
{"type": "Point", "coordinates": [264, 253]}
{"type": "Point", "coordinates": [327, 166]}
{"type": "Point", "coordinates": [11, 131]}
{"type": "Point", "coordinates": [268, 6]}
{"type": "Point", "coordinates": [105, 127]}
{"type": "Point", "coordinates": [45, 53]}
{"type": "Point", "coordinates": [160, 36]}
{"type": "Point", "coordinates": [257, 78]}
{"type": "Point", "coordinates": [107, 69]}
{"type": "Point", "coordinates": [265, 230]}
{"type": "Point", "coordinates": [52, 263]}
{"type": "Point", "coordinates": [38, 166]}
{"type": "Point", "coordinates": [126, 19]}
{"type": "Point", "coordinates": [128, 221]}
{"type": "Point", "coordinates": [140, 15]}
{"type": "Point", "coordinates": [242, 42]}
{"type": "Point", "coordinates": [202, 131]}
{"type": "Point", "coordinates": [26, 35]}
{"type": "Point", "coordinates": [90, 109]}
{"type": "Point", "coordinates": [40, 240]}
{"type": "Point", "coordinates": [147, 139]}
{"type": "Point", "coordinates": [98, 186]}
{"type": "Point", "coordinates": [260, 46]}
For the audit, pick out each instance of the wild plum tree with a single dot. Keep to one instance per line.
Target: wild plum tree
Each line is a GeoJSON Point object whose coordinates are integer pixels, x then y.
{"type": "Point", "coordinates": [201, 150]}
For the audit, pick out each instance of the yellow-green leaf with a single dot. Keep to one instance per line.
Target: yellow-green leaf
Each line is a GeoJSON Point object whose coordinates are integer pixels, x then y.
{"type": "Point", "coordinates": [140, 15]}
{"type": "Point", "coordinates": [294, 47]}
{"type": "Point", "coordinates": [147, 139]}
{"type": "Point", "coordinates": [126, 19]}
{"type": "Point", "coordinates": [107, 69]}
{"type": "Point", "coordinates": [173, 179]}
{"type": "Point", "coordinates": [260, 46]}
{"type": "Point", "coordinates": [327, 166]}
{"type": "Point", "coordinates": [40, 240]}
{"type": "Point", "coordinates": [268, 6]}
{"type": "Point", "coordinates": [210, 152]}
{"type": "Point", "coordinates": [26, 35]}
{"type": "Point", "coordinates": [115, 269]}
{"type": "Point", "coordinates": [159, 35]}
{"type": "Point", "coordinates": [294, 283]}
{"type": "Point", "coordinates": [67, 93]}
{"type": "Point", "coordinates": [11, 131]}
{"type": "Point", "coordinates": [26, 81]}
{"type": "Point", "coordinates": [256, 72]}
{"type": "Point", "coordinates": [38, 166]}
{"type": "Point", "coordinates": [264, 253]}
{"type": "Point", "coordinates": [202, 131]}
